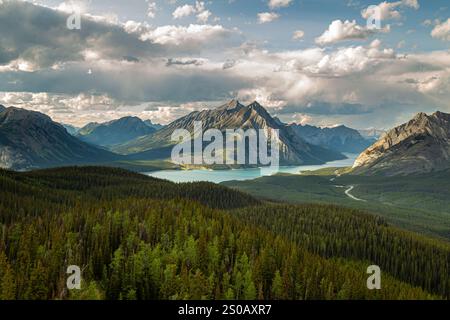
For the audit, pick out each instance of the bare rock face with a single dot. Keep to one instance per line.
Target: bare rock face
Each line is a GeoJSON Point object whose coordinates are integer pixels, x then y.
{"type": "Point", "coordinates": [422, 145]}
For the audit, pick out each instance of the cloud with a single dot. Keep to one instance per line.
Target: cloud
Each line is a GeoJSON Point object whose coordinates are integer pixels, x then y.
{"type": "Point", "coordinates": [273, 4]}
{"type": "Point", "coordinates": [163, 72]}
{"type": "Point", "coordinates": [388, 10]}
{"type": "Point", "coordinates": [266, 17]}
{"type": "Point", "coordinates": [41, 40]}
{"type": "Point", "coordinates": [184, 62]}
{"type": "Point", "coordinates": [151, 9]}
{"type": "Point", "coordinates": [187, 10]}
{"type": "Point", "coordinates": [299, 34]}
{"type": "Point", "coordinates": [193, 35]}
{"type": "Point", "coordinates": [344, 30]}
{"type": "Point", "coordinates": [442, 31]}
{"type": "Point", "coordinates": [183, 11]}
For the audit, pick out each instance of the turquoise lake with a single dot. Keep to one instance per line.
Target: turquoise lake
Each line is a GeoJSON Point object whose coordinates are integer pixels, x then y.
{"type": "Point", "coordinates": [218, 176]}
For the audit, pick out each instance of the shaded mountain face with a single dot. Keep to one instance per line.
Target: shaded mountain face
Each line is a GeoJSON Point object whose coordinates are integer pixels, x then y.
{"type": "Point", "coordinates": [88, 128]}
{"type": "Point", "coordinates": [420, 146]}
{"type": "Point", "coordinates": [234, 115]}
{"type": "Point", "coordinates": [341, 138]}
{"type": "Point", "coordinates": [115, 132]}
{"type": "Point", "coordinates": [2, 107]}
{"type": "Point", "coordinates": [71, 129]}
{"type": "Point", "coordinates": [31, 139]}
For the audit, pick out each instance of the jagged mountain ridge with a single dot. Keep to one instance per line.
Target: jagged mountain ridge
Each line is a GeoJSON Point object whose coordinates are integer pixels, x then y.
{"type": "Point", "coordinates": [115, 132]}
{"type": "Point", "coordinates": [30, 139]}
{"type": "Point", "coordinates": [234, 115]}
{"type": "Point", "coordinates": [419, 146]}
{"type": "Point", "coordinates": [340, 138]}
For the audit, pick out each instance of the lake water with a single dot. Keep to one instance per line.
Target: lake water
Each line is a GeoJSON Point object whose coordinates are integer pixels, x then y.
{"type": "Point", "coordinates": [218, 176]}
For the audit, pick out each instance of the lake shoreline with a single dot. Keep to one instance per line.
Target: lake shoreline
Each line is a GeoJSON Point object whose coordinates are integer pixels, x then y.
{"type": "Point", "coordinates": [242, 174]}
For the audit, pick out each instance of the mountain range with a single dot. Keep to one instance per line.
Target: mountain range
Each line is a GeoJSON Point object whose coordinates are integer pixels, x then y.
{"type": "Point", "coordinates": [30, 139]}
{"type": "Point", "coordinates": [234, 115]}
{"type": "Point", "coordinates": [115, 132]}
{"type": "Point", "coordinates": [340, 138]}
{"type": "Point", "coordinates": [419, 146]}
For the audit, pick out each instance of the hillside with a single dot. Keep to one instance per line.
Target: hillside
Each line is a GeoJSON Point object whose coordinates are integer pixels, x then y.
{"type": "Point", "coordinates": [234, 115]}
{"type": "Point", "coordinates": [141, 238]}
{"type": "Point", "coordinates": [419, 146]}
{"type": "Point", "coordinates": [115, 132]}
{"type": "Point", "coordinates": [340, 138]}
{"type": "Point", "coordinates": [30, 139]}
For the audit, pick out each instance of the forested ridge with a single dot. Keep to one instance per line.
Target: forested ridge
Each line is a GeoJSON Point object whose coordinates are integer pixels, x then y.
{"type": "Point", "coordinates": [137, 237]}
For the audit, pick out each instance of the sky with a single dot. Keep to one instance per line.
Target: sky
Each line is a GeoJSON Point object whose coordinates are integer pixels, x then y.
{"type": "Point", "coordinates": [318, 62]}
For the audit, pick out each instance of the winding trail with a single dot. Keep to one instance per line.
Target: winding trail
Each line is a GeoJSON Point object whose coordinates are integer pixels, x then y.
{"type": "Point", "coordinates": [347, 192]}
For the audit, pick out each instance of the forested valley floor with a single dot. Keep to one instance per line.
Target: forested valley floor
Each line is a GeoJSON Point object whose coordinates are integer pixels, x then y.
{"type": "Point", "coordinates": [136, 237]}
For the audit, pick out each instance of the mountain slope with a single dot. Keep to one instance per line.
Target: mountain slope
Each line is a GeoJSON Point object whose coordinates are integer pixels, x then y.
{"type": "Point", "coordinates": [115, 132]}
{"type": "Point", "coordinates": [233, 115]}
{"type": "Point", "coordinates": [341, 138]}
{"type": "Point", "coordinates": [88, 128]}
{"type": "Point", "coordinates": [70, 129]}
{"type": "Point", "coordinates": [422, 145]}
{"type": "Point", "coordinates": [31, 139]}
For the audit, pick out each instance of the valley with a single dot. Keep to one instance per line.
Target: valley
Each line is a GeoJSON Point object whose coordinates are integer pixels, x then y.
{"type": "Point", "coordinates": [138, 237]}
{"type": "Point", "coordinates": [419, 203]}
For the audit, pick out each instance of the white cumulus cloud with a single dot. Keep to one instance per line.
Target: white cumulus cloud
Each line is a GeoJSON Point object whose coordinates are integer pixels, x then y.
{"type": "Point", "coordinates": [266, 17]}
{"type": "Point", "coordinates": [344, 30]}
{"type": "Point", "coordinates": [279, 3]}
{"type": "Point", "coordinates": [442, 31]}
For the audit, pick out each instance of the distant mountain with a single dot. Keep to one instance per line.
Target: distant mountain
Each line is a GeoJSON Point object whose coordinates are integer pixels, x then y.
{"type": "Point", "coordinates": [371, 134]}
{"type": "Point", "coordinates": [233, 115]}
{"type": "Point", "coordinates": [87, 129]}
{"type": "Point", "coordinates": [30, 139]}
{"type": "Point", "coordinates": [71, 129]}
{"type": "Point", "coordinates": [115, 132]}
{"type": "Point", "coordinates": [155, 126]}
{"type": "Point", "coordinates": [422, 145]}
{"type": "Point", "coordinates": [341, 138]}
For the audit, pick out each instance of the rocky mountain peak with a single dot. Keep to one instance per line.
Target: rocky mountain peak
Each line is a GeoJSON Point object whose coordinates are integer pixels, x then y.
{"type": "Point", "coordinates": [13, 114]}
{"type": "Point", "coordinates": [418, 146]}
{"type": "Point", "coordinates": [234, 104]}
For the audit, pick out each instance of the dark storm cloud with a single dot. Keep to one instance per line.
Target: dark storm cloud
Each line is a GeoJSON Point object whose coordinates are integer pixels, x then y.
{"type": "Point", "coordinates": [133, 82]}
{"type": "Point", "coordinates": [40, 35]}
{"type": "Point", "coordinates": [184, 62]}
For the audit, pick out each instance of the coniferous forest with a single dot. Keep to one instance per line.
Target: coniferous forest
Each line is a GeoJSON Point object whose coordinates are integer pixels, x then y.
{"type": "Point", "coordinates": [136, 237]}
